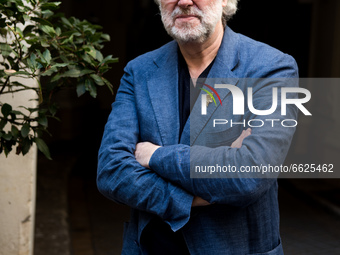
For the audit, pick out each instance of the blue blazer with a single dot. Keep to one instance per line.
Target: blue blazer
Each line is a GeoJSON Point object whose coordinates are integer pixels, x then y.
{"type": "Point", "coordinates": [244, 215]}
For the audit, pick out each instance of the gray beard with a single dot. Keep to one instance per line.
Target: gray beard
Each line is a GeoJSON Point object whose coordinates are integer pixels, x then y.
{"type": "Point", "coordinates": [187, 33]}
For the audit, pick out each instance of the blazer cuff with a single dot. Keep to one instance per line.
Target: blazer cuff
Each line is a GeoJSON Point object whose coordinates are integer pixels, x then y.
{"type": "Point", "coordinates": [172, 162]}
{"type": "Point", "coordinates": [178, 212]}
{"type": "Point", "coordinates": [163, 161]}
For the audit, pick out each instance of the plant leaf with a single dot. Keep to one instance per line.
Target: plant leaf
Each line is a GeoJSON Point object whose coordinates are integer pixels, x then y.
{"type": "Point", "coordinates": [6, 109]}
{"type": "Point", "coordinates": [66, 21]}
{"type": "Point", "coordinates": [3, 123]}
{"type": "Point", "coordinates": [48, 30]}
{"type": "Point", "coordinates": [97, 79]}
{"type": "Point", "coordinates": [108, 84]}
{"type": "Point", "coordinates": [7, 136]}
{"type": "Point", "coordinates": [50, 5]}
{"type": "Point", "coordinates": [80, 89]}
{"type": "Point", "coordinates": [42, 120]}
{"type": "Point", "coordinates": [99, 56]}
{"type": "Point", "coordinates": [42, 21]}
{"type": "Point", "coordinates": [15, 131]}
{"type": "Point", "coordinates": [74, 73]}
{"type": "Point", "coordinates": [26, 145]}
{"type": "Point", "coordinates": [106, 37]}
{"type": "Point", "coordinates": [91, 88]}
{"type": "Point", "coordinates": [47, 56]}
{"type": "Point", "coordinates": [5, 50]}
{"type": "Point", "coordinates": [43, 147]}
{"type": "Point", "coordinates": [25, 130]}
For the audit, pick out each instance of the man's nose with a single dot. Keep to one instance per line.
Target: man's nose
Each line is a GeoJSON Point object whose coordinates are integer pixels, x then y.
{"type": "Point", "coordinates": [185, 3]}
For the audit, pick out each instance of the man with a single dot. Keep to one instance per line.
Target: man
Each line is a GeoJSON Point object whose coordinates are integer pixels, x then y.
{"type": "Point", "coordinates": [150, 142]}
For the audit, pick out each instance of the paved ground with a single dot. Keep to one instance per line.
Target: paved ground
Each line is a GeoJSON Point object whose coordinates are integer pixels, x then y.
{"type": "Point", "coordinates": [74, 219]}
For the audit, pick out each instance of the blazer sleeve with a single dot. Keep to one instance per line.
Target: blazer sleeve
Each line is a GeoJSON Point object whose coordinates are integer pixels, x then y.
{"type": "Point", "coordinates": [122, 179]}
{"type": "Point", "coordinates": [265, 146]}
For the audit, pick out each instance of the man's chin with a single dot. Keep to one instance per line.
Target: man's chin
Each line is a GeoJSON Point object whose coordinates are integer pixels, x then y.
{"type": "Point", "coordinates": [187, 37]}
{"type": "Point", "coordinates": [188, 40]}
{"type": "Point", "coordinates": [191, 22]}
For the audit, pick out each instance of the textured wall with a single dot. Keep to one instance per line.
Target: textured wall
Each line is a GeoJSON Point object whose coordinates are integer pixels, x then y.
{"type": "Point", "coordinates": [17, 190]}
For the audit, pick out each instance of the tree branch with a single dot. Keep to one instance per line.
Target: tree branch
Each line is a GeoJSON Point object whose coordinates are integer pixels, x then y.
{"type": "Point", "coordinates": [4, 86]}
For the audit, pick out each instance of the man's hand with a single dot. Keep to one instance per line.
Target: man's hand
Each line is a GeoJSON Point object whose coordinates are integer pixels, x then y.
{"type": "Point", "coordinates": [236, 144]}
{"type": "Point", "coordinates": [144, 152]}
{"type": "Point", "coordinates": [199, 202]}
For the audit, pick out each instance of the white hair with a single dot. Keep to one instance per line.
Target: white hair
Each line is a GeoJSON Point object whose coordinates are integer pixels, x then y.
{"type": "Point", "coordinates": [228, 11]}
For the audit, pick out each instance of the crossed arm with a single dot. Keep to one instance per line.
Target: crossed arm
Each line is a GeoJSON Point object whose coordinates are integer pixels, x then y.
{"type": "Point", "coordinates": [140, 176]}
{"type": "Point", "coordinates": [145, 150]}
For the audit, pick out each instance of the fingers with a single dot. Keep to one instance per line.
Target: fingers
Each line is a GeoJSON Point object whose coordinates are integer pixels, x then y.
{"type": "Point", "coordinates": [141, 153]}
{"type": "Point", "coordinates": [245, 133]}
{"type": "Point", "coordinates": [238, 142]}
{"type": "Point", "coordinates": [199, 202]}
{"type": "Point", "coordinates": [144, 151]}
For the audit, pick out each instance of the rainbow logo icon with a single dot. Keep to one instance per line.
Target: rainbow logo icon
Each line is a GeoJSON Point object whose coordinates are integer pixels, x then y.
{"type": "Point", "coordinates": [211, 94]}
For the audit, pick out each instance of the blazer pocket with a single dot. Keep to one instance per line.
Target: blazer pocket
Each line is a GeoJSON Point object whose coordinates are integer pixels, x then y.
{"type": "Point", "coordinates": [222, 138]}
{"type": "Point", "coordinates": [276, 251]}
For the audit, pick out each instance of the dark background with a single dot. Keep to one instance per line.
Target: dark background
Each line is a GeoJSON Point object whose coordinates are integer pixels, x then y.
{"type": "Point", "coordinates": [306, 29]}
{"type": "Point", "coordinates": [135, 28]}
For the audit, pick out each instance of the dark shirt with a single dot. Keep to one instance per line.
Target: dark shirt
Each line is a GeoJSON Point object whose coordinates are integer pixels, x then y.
{"type": "Point", "coordinates": [187, 93]}
{"type": "Point", "coordinates": [157, 237]}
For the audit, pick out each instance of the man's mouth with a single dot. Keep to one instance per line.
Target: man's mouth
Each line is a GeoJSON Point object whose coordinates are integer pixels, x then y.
{"type": "Point", "coordinates": [186, 17]}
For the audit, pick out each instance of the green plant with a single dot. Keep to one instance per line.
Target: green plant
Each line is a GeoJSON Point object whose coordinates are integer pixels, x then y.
{"type": "Point", "coordinates": [37, 43]}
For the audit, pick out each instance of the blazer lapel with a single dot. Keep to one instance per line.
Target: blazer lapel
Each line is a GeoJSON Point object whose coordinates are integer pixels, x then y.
{"type": "Point", "coordinates": [163, 91]}
{"type": "Point", "coordinates": [222, 73]}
